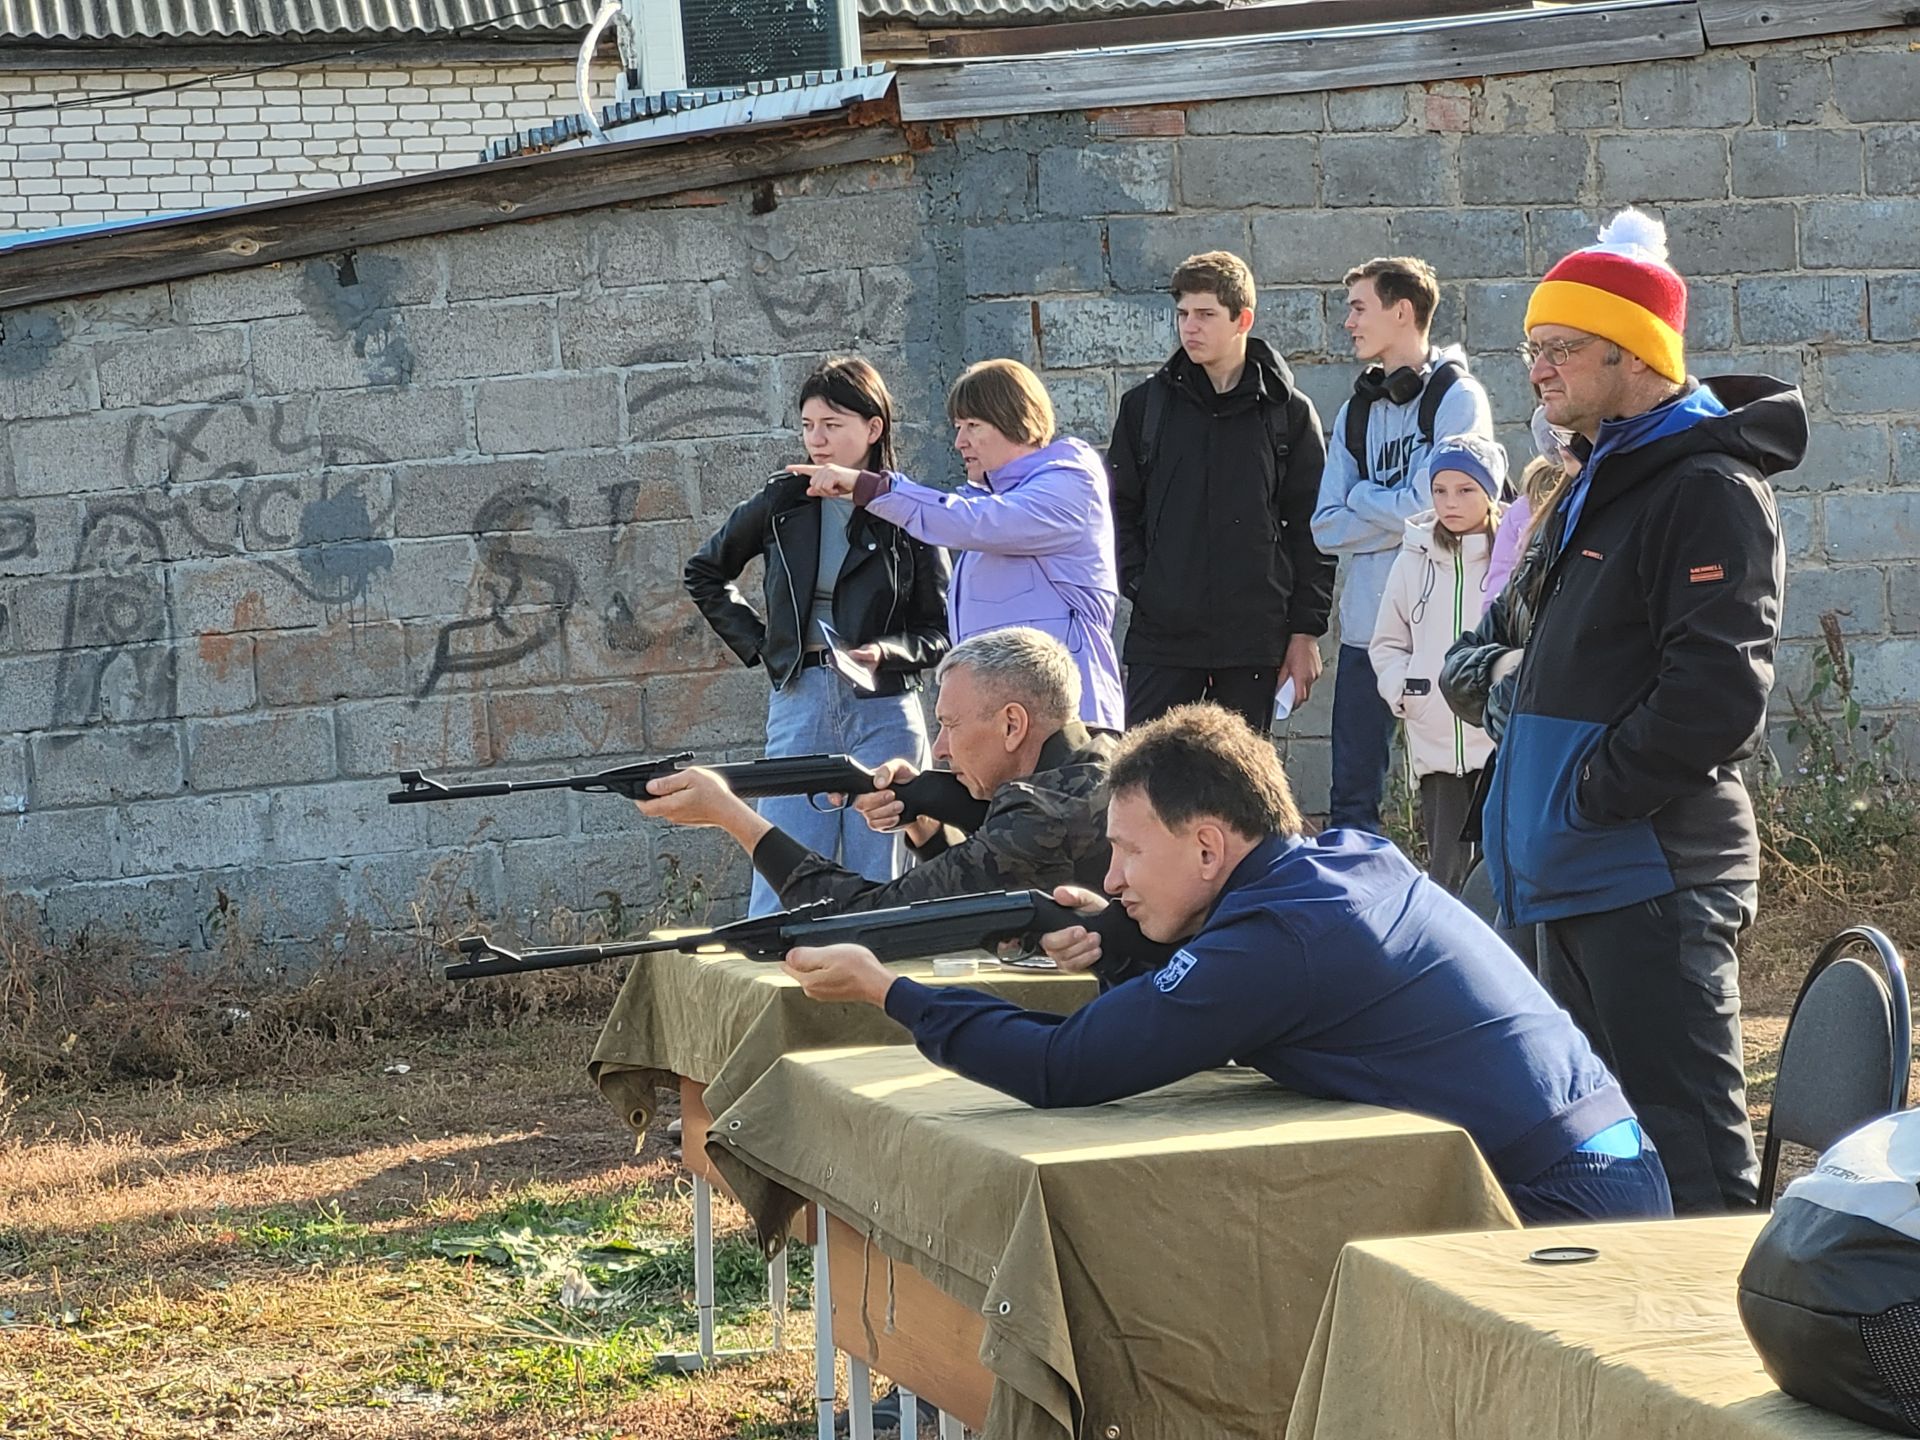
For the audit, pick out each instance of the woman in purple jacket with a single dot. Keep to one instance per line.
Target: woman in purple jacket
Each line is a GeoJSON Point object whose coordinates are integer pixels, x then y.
{"type": "Point", "coordinates": [1031, 530]}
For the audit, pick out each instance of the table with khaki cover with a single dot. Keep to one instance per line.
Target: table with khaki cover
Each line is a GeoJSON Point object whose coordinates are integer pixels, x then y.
{"type": "Point", "coordinates": [719, 1020]}
{"type": "Point", "coordinates": [1150, 1269]}
{"type": "Point", "coordinates": [1460, 1337]}
{"type": "Point", "coordinates": [709, 1025]}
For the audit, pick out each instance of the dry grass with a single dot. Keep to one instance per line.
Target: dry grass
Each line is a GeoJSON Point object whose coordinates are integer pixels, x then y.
{"type": "Point", "coordinates": [256, 1258]}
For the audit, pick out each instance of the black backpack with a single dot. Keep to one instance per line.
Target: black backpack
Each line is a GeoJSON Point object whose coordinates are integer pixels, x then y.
{"type": "Point", "coordinates": [1155, 421]}
{"type": "Point", "coordinates": [1377, 385]}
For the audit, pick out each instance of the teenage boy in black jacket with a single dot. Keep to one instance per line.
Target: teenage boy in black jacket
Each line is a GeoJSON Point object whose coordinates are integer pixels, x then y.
{"type": "Point", "coordinates": [1617, 818]}
{"type": "Point", "coordinates": [1216, 467]}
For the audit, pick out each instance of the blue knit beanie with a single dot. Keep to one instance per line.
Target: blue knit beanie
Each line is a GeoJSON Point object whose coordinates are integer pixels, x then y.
{"type": "Point", "coordinates": [1484, 460]}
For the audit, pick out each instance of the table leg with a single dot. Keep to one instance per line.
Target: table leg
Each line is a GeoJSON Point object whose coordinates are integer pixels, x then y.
{"type": "Point", "coordinates": [909, 1414]}
{"type": "Point", "coordinates": [823, 1381]}
{"type": "Point", "coordinates": [703, 1264]}
{"type": "Point", "coordinates": [695, 1123]}
{"type": "Point", "coordinates": [951, 1427]}
{"type": "Point", "coordinates": [859, 1398]}
{"type": "Point", "coordinates": [777, 1297]}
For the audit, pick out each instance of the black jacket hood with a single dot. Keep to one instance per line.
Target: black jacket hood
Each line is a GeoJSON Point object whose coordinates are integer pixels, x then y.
{"type": "Point", "coordinates": [1765, 424]}
{"type": "Point", "coordinates": [1267, 374]}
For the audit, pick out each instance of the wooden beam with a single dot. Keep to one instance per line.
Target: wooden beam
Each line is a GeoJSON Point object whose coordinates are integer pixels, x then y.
{"type": "Point", "coordinates": [472, 196]}
{"type": "Point", "coordinates": [1332, 60]}
{"type": "Point", "coordinates": [1746, 22]}
{"type": "Point", "coordinates": [1271, 18]}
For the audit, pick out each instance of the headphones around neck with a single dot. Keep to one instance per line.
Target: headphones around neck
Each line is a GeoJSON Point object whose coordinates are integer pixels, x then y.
{"type": "Point", "coordinates": [1401, 386]}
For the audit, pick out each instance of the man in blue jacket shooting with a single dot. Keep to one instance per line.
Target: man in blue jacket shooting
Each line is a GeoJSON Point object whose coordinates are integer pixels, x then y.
{"type": "Point", "coordinates": [1330, 964]}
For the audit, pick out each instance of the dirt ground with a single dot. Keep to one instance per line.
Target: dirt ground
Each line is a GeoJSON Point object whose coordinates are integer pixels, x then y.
{"type": "Point", "coordinates": [383, 1250]}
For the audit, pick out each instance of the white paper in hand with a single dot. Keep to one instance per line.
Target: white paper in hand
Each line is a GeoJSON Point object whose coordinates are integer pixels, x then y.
{"type": "Point", "coordinates": [865, 678]}
{"type": "Point", "coordinates": [1283, 700]}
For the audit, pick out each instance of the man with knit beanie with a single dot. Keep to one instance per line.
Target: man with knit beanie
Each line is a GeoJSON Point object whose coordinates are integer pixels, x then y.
{"type": "Point", "coordinates": [1617, 818]}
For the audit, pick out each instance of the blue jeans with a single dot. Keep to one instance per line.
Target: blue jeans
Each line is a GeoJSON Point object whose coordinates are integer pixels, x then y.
{"type": "Point", "coordinates": [1362, 744]}
{"type": "Point", "coordinates": [1586, 1186]}
{"type": "Point", "coordinates": [819, 714]}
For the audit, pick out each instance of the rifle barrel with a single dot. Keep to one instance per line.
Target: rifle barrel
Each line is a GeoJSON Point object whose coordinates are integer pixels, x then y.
{"type": "Point", "coordinates": [559, 957]}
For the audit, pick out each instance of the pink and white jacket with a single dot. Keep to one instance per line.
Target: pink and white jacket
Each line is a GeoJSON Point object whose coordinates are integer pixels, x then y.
{"type": "Point", "coordinates": [1433, 596]}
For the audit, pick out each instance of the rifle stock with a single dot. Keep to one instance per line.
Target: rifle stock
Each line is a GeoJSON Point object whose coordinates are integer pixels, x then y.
{"type": "Point", "coordinates": [919, 931]}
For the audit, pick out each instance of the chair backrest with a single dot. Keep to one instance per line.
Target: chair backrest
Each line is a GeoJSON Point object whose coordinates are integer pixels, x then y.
{"type": "Point", "coordinates": [1476, 893]}
{"type": "Point", "coordinates": [1847, 1055]}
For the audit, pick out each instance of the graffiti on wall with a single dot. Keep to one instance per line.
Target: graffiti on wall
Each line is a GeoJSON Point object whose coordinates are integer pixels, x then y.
{"type": "Point", "coordinates": [525, 597]}
{"type": "Point", "coordinates": [217, 473]}
{"type": "Point", "coordinates": [116, 657]}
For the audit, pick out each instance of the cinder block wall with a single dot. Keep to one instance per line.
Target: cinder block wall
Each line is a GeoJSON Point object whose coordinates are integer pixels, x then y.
{"type": "Point", "coordinates": [268, 536]}
{"type": "Point", "coordinates": [1787, 175]}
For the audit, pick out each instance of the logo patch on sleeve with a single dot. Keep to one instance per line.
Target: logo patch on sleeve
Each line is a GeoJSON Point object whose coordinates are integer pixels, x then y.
{"type": "Point", "coordinates": [1705, 574]}
{"type": "Point", "coordinates": [1174, 972]}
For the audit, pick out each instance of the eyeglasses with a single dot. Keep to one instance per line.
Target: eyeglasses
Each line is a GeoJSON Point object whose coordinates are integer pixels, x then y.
{"type": "Point", "coordinates": [1555, 352]}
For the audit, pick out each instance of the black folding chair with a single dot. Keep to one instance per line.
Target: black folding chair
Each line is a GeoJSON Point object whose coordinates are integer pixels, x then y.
{"type": "Point", "coordinates": [1476, 893]}
{"type": "Point", "coordinates": [1848, 1051]}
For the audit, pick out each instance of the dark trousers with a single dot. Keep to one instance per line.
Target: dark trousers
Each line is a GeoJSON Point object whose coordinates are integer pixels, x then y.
{"type": "Point", "coordinates": [1585, 1186]}
{"type": "Point", "coordinates": [1477, 895]}
{"type": "Point", "coordinates": [1445, 802]}
{"type": "Point", "coordinates": [1656, 988]}
{"type": "Point", "coordinates": [1152, 690]}
{"type": "Point", "coordinates": [1362, 744]}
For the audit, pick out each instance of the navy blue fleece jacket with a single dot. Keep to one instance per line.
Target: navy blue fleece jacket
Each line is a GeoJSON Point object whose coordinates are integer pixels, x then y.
{"type": "Point", "coordinates": [1338, 969]}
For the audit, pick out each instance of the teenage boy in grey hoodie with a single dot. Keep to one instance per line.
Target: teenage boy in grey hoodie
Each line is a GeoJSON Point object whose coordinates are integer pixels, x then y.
{"type": "Point", "coordinates": [1411, 395]}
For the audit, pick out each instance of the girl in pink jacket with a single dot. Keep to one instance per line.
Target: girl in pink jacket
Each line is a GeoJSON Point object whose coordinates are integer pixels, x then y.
{"type": "Point", "coordinates": [1436, 592]}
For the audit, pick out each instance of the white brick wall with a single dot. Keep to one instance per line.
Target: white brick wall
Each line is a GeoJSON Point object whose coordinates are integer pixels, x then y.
{"type": "Point", "coordinates": [256, 138]}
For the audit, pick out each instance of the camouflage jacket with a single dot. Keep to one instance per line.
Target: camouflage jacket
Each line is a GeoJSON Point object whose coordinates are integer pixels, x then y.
{"type": "Point", "coordinates": [1045, 830]}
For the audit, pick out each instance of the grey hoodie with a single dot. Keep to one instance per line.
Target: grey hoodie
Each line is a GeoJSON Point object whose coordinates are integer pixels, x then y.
{"type": "Point", "coordinates": [1366, 520]}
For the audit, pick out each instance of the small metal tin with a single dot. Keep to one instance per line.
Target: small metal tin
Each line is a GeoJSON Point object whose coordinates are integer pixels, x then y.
{"type": "Point", "coordinates": [1563, 1255]}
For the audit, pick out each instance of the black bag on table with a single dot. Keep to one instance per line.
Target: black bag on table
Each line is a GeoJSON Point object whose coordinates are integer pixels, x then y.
{"type": "Point", "coordinates": [1830, 1293]}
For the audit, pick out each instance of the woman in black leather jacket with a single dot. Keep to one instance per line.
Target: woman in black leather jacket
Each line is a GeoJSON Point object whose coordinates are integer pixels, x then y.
{"type": "Point", "coordinates": [831, 569]}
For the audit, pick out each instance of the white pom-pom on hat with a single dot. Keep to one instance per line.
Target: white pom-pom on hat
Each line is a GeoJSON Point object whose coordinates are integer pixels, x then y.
{"type": "Point", "coordinates": [1637, 234]}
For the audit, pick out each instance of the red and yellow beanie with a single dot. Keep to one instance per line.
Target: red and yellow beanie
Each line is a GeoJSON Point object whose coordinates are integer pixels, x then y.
{"type": "Point", "coordinates": [1622, 290]}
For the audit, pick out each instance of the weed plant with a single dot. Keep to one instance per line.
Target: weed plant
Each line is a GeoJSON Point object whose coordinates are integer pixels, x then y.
{"type": "Point", "coordinates": [1843, 811]}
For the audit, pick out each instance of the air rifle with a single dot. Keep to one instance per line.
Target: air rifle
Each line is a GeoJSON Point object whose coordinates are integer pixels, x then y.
{"type": "Point", "coordinates": [907, 932]}
{"type": "Point", "coordinates": [937, 794]}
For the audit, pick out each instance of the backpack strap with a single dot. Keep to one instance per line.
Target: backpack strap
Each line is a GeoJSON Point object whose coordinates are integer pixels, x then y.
{"type": "Point", "coordinates": [1442, 378]}
{"type": "Point", "coordinates": [1151, 427]}
{"type": "Point", "coordinates": [1281, 443]}
{"type": "Point", "coordinates": [1445, 376]}
{"type": "Point", "coordinates": [1359, 407]}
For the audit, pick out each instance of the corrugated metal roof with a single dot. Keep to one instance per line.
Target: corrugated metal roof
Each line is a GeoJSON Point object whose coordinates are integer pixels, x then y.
{"type": "Point", "coordinates": [688, 112]}
{"type": "Point", "coordinates": [261, 19]}
{"type": "Point", "coordinates": [54, 20]}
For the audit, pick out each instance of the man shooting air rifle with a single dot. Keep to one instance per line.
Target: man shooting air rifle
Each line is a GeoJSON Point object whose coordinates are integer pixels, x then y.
{"type": "Point", "coordinates": [1008, 715]}
{"type": "Point", "coordinates": [993, 922]}
{"type": "Point", "coordinates": [1327, 963]}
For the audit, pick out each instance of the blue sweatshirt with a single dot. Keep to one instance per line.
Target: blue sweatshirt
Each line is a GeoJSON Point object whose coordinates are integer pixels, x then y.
{"type": "Point", "coordinates": [1365, 520]}
{"type": "Point", "coordinates": [1336, 968]}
